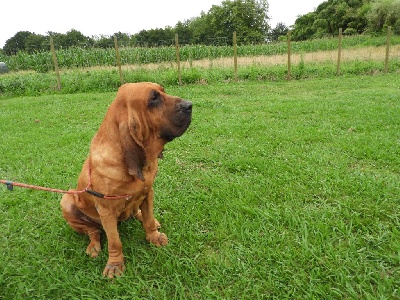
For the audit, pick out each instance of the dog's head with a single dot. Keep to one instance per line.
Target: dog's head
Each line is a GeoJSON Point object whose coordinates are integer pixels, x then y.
{"type": "Point", "coordinates": [170, 116]}
{"type": "Point", "coordinates": [148, 118]}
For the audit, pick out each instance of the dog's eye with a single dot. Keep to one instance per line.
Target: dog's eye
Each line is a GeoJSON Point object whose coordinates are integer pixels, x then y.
{"type": "Point", "coordinates": [155, 99]}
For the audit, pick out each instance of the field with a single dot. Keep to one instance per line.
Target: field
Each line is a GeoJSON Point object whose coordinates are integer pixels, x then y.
{"type": "Point", "coordinates": [94, 70]}
{"type": "Point", "coordinates": [94, 57]}
{"type": "Point", "coordinates": [278, 190]}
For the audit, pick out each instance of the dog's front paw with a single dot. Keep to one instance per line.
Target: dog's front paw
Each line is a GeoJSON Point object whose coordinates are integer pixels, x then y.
{"type": "Point", "coordinates": [157, 238]}
{"type": "Point", "coordinates": [114, 269]}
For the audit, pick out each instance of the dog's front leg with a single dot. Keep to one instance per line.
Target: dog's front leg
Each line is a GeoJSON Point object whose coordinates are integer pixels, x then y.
{"type": "Point", "coordinates": [115, 264]}
{"type": "Point", "coordinates": [150, 224]}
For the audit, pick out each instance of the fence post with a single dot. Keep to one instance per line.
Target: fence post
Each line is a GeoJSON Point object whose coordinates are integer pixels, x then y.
{"type": "Point", "coordinates": [339, 52]}
{"type": "Point", "coordinates": [178, 59]}
{"type": "Point", "coordinates": [53, 52]}
{"type": "Point", "coordinates": [387, 49]}
{"type": "Point", "coordinates": [235, 55]}
{"type": "Point", "coordinates": [121, 76]}
{"type": "Point", "coordinates": [289, 45]}
{"type": "Point", "coordinates": [210, 57]}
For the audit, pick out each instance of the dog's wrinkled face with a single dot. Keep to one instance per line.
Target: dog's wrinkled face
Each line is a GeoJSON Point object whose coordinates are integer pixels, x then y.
{"type": "Point", "coordinates": [176, 114]}
{"type": "Point", "coordinates": [162, 115]}
{"type": "Point", "coordinates": [153, 119]}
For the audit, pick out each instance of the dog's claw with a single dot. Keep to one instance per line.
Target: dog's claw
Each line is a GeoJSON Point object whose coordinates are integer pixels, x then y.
{"type": "Point", "coordinates": [115, 269]}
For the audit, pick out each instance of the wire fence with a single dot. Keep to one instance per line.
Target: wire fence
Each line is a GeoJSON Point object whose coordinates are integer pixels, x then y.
{"type": "Point", "coordinates": [382, 51]}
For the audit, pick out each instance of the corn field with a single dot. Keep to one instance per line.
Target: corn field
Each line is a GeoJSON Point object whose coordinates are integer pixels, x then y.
{"type": "Point", "coordinates": [73, 58]}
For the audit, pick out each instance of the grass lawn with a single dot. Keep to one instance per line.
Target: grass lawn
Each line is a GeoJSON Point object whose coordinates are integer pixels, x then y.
{"type": "Point", "coordinates": [278, 190]}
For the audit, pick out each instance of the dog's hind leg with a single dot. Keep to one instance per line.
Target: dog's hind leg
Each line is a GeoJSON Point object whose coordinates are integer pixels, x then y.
{"type": "Point", "coordinates": [81, 223]}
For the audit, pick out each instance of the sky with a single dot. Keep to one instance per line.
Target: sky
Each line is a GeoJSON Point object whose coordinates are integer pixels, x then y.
{"type": "Point", "coordinates": [95, 18]}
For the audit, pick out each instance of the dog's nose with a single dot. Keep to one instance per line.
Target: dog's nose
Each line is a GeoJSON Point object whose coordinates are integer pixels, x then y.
{"type": "Point", "coordinates": [186, 106]}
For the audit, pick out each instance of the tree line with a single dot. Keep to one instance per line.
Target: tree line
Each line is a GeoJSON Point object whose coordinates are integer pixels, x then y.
{"type": "Point", "coordinates": [249, 18]}
{"type": "Point", "coordinates": [353, 16]}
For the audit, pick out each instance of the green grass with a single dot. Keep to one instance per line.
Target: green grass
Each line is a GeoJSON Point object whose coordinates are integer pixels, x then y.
{"type": "Point", "coordinates": [279, 190]}
{"type": "Point", "coordinates": [106, 80]}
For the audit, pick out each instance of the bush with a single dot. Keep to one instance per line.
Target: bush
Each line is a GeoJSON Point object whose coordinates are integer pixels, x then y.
{"type": "Point", "coordinates": [350, 31]}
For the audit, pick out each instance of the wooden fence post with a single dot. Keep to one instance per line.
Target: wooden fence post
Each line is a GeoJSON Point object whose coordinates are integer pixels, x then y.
{"type": "Point", "coordinates": [235, 55]}
{"type": "Point", "coordinates": [339, 52]}
{"type": "Point", "coordinates": [121, 76]}
{"type": "Point", "coordinates": [210, 59]}
{"type": "Point", "coordinates": [387, 49]}
{"type": "Point", "coordinates": [289, 65]}
{"type": "Point", "coordinates": [178, 59]}
{"type": "Point", "coordinates": [53, 52]}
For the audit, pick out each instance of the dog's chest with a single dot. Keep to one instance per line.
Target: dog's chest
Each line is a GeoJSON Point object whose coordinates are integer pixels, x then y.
{"type": "Point", "coordinates": [132, 205]}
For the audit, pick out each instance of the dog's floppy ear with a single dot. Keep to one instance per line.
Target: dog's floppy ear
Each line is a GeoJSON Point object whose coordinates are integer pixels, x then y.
{"type": "Point", "coordinates": [132, 148]}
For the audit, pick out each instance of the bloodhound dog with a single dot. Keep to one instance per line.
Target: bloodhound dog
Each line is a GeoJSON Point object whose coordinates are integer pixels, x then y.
{"type": "Point", "coordinates": [117, 176]}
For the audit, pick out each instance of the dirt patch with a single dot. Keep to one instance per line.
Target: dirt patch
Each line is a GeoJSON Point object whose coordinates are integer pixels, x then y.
{"type": "Point", "coordinates": [365, 53]}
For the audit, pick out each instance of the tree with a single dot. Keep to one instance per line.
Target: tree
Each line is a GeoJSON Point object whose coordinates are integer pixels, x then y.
{"type": "Point", "coordinates": [350, 15]}
{"type": "Point", "coordinates": [57, 38]}
{"type": "Point", "coordinates": [74, 38]}
{"type": "Point", "coordinates": [16, 43]}
{"type": "Point", "coordinates": [384, 13]}
{"type": "Point", "coordinates": [247, 17]}
{"type": "Point", "coordinates": [36, 42]}
{"type": "Point", "coordinates": [122, 38]}
{"type": "Point", "coordinates": [199, 28]}
{"type": "Point", "coordinates": [280, 30]}
{"type": "Point", "coordinates": [104, 42]}
{"type": "Point", "coordinates": [184, 33]}
{"type": "Point", "coordinates": [303, 27]}
{"type": "Point", "coordinates": [155, 37]}
{"type": "Point", "coordinates": [360, 22]}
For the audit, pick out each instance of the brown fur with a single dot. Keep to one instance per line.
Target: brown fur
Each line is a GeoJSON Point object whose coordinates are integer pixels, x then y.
{"type": "Point", "coordinates": [123, 160]}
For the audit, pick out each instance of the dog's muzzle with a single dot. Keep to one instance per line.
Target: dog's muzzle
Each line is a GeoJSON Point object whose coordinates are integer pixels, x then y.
{"type": "Point", "coordinates": [184, 113]}
{"type": "Point", "coordinates": [186, 106]}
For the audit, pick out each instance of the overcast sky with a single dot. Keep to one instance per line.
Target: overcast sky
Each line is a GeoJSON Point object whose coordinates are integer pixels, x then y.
{"type": "Point", "coordinates": [98, 17]}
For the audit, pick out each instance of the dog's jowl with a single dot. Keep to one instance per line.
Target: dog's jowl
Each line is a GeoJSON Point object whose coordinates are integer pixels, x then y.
{"type": "Point", "coordinates": [120, 169]}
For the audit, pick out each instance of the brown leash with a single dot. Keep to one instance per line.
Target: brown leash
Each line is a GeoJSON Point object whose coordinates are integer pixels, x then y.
{"type": "Point", "coordinates": [10, 185]}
